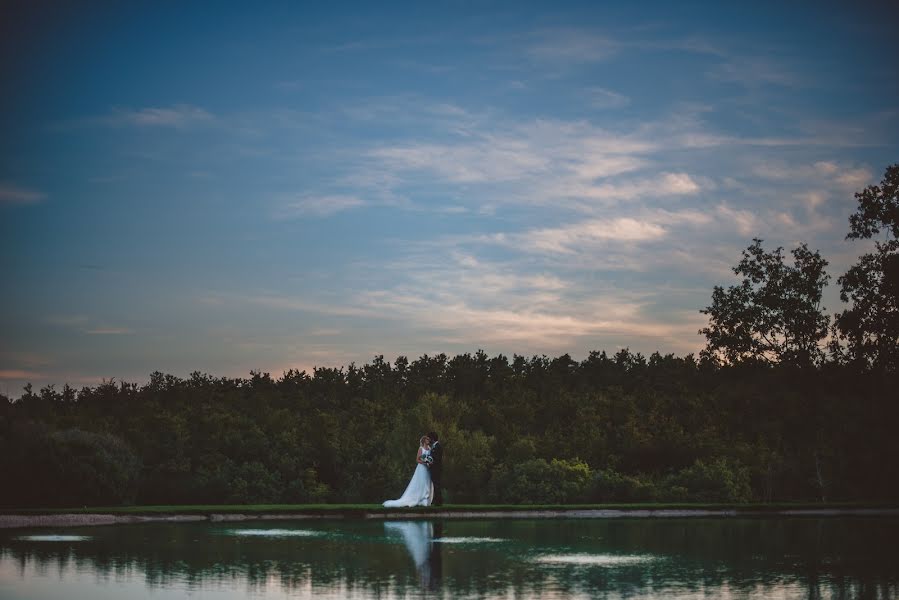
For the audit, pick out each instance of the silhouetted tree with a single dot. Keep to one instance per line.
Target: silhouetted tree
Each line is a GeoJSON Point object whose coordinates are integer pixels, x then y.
{"type": "Point", "coordinates": [870, 326]}
{"type": "Point", "coordinates": [774, 315]}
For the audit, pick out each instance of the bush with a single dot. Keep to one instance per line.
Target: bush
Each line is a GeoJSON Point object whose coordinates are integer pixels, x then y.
{"type": "Point", "coordinates": [468, 465]}
{"type": "Point", "coordinates": [308, 489]}
{"type": "Point", "coordinates": [73, 467]}
{"type": "Point", "coordinates": [611, 486]}
{"type": "Point", "coordinates": [717, 481]}
{"type": "Point", "coordinates": [252, 483]}
{"type": "Point", "coordinates": [537, 481]}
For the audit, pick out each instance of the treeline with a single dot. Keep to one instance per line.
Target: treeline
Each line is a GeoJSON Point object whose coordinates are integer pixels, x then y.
{"type": "Point", "coordinates": [609, 428]}
{"type": "Point", "coordinates": [785, 403]}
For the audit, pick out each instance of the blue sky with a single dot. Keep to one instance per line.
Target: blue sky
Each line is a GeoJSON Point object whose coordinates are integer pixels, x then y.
{"type": "Point", "coordinates": [197, 187]}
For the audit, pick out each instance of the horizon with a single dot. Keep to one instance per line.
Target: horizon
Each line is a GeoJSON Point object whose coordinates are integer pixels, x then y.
{"type": "Point", "coordinates": [220, 190]}
{"type": "Point", "coordinates": [392, 365]}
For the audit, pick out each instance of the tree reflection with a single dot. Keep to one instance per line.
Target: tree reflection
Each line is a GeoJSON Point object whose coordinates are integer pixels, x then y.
{"type": "Point", "coordinates": [752, 558]}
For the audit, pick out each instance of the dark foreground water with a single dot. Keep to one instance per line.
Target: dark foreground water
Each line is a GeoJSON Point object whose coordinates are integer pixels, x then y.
{"type": "Point", "coordinates": [613, 558]}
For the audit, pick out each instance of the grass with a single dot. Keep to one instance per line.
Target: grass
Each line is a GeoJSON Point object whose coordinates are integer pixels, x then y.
{"type": "Point", "coordinates": [359, 509]}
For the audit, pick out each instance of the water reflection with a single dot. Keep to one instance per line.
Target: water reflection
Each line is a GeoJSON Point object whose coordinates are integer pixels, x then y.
{"type": "Point", "coordinates": [419, 538]}
{"type": "Point", "coordinates": [689, 558]}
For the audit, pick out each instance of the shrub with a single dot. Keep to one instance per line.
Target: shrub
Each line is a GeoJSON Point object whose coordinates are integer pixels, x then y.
{"type": "Point", "coordinates": [717, 481]}
{"type": "Point", "coordinates": [468, 464]}
{"type": "Point", "coordinates": [537, 481]}
{"type": "Point", "coordinates": [611, 486]}
{"type": "Point", "coordinates": [74, 467]}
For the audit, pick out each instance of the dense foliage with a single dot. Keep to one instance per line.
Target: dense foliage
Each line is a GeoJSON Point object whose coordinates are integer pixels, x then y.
{"type": "Point", "coordinates": [870, 326]}
{"type": "Point", "coordinates": [538, 430]}
{"type": "Point", "coordinates": [775, 313]}
{"type": "Point", "coordinates": [763, 415]}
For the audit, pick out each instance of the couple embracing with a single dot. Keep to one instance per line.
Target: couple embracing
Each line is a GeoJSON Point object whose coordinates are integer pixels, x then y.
{"type": "Point", "coordinates": [424, 488]}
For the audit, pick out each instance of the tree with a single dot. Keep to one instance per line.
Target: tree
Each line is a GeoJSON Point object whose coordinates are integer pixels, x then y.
{"type": "Point", "coordinates": [774, 315]}
{"type": "Point", "coordinates": [870, 327]}
{"type": "Point", "coordinates": [878, 208]}
{"type": "Point", "coordinates": [71, 467]}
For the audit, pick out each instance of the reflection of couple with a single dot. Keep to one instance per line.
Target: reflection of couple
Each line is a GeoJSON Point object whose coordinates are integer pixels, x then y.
{"type": "Point", "coordinates": [419, 537]}
{"type": "Point", "coordinates": [424, 487]}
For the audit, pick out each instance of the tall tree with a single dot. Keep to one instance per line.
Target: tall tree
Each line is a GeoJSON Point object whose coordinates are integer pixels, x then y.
{"type": "Point", "coordinates": [870, 326]}
{"type": "Point", "coordinates": [774, 315]}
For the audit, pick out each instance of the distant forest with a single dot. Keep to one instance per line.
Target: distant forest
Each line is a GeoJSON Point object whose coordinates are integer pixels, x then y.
{"type": "Point", "coordinates": [785, 403]}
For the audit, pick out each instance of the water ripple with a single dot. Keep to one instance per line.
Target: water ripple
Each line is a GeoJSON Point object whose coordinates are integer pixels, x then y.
{"type": "Point", "coordinates": [601, 560]}
{"type": "Point", "coordinates": [273, 532]}
{"type": "Point", "coordinates": [468, 540]}
{"type": "Point", "coordinates": [53, 538]}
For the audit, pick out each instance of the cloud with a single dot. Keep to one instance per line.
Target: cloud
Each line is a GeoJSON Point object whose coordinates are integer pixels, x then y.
{"type": "Point", "coordinates": [755, 72]}
{"type": "Point", "coordinates": [855, 179]}
{"type": "Point", "coordinates": [84, 324]}
{"type": "Point", "coordinates": [481, 149]}
{"type": "Point", "coordinates": [691, 45]}
{"type": "Point", "coordinates": [817, 174]}
{"type": "Point", "coordinates": [10, 195]}
{"type": "Point", "coordinates": [538, 162]}
{"type": "Point", "coordinates": [666, 184]}
{"type": "Point", "coordinates": [21, 375]}
{"type": "Point", "coordinates": [285, 302]}
{"type": "Point", "coordinates": [459, 298]}
{"type": "Point", "coordinates": [826, 167]}
{"type": "Point", "coordinates": [469, 301]}
{"type": "Point", "coordinates": [744, 221]}
{"type": "Point", "coordinates": [66, 320]}
{"type": "Point", "coordinates": [586, 237]}
{"type": "Point", "coordinates": [570, 238]}
{"type": "Point", "coordinates": [177, 116]}
{"type": "Point", "coordinates": [317, 206]}
{"type": "Point", "coordinates": [571, 46]}
{"type": "Point", "coordinates": [25, 359]}
{"type": "Point", "coordinates": [488, 160]}
{"type": "Point", "coordinates": [602, 98]}
{"type": "Point", "coordinates": [813, 200]}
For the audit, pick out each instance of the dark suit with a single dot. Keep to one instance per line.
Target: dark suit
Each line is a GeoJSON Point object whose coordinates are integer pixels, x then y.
{"type": "Point", "coordinates": [435, 560]}
{"type": "Point", "coordinates": [437, 472]}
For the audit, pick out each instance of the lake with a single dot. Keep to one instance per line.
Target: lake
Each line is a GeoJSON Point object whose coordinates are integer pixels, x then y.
{"type": "Point", "coordinates": [551, 558]}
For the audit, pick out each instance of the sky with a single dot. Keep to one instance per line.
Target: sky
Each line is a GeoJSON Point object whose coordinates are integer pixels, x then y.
{"type": "Point", "coordinates": [225, 188]}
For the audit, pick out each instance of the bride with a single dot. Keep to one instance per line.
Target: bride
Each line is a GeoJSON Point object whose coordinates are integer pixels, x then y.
{"type": "Point", "coordinates": [420, 490]}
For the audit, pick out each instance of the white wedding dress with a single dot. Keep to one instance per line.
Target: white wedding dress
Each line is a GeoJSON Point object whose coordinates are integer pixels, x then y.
{"type": "Point", "coordinates": [420, 490]}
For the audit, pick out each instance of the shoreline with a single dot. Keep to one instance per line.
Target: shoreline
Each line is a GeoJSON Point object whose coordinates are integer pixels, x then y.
{"type": "Point", "coordinates": [11, 521]}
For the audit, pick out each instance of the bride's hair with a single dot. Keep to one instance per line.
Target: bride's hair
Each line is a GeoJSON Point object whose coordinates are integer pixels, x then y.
{"type": "Point", "coordinates": [421, 442]}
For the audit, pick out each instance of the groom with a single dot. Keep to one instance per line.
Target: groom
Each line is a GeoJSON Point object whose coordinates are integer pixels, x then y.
{"type": "Point", "coordinates": [436, 468]}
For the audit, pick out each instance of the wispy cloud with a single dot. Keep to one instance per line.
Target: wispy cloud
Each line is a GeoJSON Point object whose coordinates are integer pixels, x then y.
{"type": "Point", "coordinates": [86, 325]}
{"type": "Point", "coordinates": [542, 161]}
{"type": "Point", "coordinates": [745, 222]}
{"type": "Point", "coordinates": [66, 320]}
{"type": "Point", "coordinates": [10, 195]}
{"type": "Point", "coordinates": [24, 359]}
{"type": "Point", "coordinates": [298, 303]}
{"type": "Point", "coordinates": [317, 206]}
{"type": "Point", "coordinates": [754, 72]}
{"type": "Point", "coordinates": [109, 331]}
{"type": "Point", "coordinates": [602, 98]}
{"type": "Point", "coordinates": [470, 301]}
{"type": "Point", "coordinates": [177, 116]}
{"type": "Point", "coordinates": [828, 173]}
{"type": "Point", "coordinates": [585, 234]}
{"type": "Point", "coordinates": [572, 46]}
{"type": "Point", "coordinates": [21, 375]}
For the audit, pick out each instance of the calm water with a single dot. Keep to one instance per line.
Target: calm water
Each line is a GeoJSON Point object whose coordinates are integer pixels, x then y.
{"type": "Point", "coordinates": [616, 558]}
